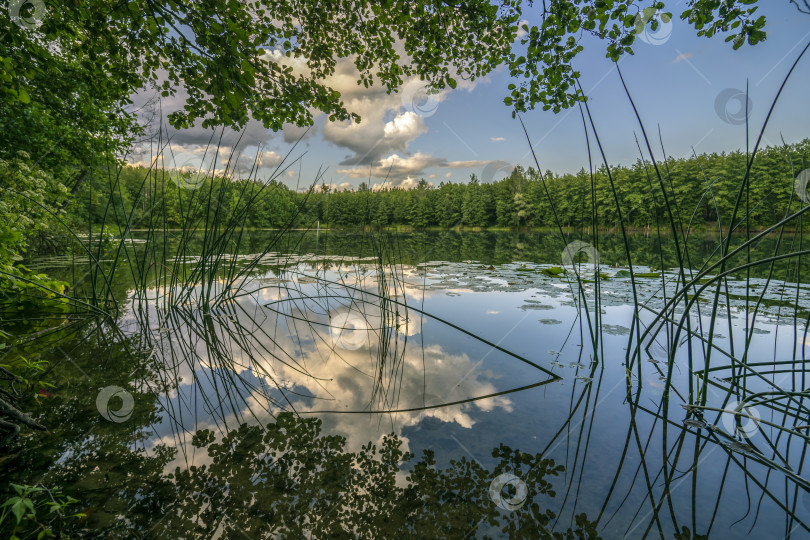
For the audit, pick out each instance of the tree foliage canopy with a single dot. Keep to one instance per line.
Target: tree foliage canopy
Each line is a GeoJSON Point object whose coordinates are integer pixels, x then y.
{"type": "Point", "coordinates": [69, 68]}
{"type": "Point", "coordinates": [545, 66]}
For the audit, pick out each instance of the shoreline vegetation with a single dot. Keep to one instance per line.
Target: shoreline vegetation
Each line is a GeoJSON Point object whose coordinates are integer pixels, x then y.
{"type": "Point", "coordinates": [324, 228]}
{"type": "Point", "coordinates": [703, 189]}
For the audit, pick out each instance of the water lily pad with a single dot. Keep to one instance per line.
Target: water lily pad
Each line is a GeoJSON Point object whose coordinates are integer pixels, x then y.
{"type": "Point", "coordinates": [554, 271]}
{"type": "Point", "coordinates": [615, 329]}
{"type": "Point", "coordinates": [535, 306]}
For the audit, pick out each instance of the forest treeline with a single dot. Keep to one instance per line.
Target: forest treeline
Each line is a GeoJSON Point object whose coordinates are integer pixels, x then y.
{"type": "Point", "coordinates": [698, 190]}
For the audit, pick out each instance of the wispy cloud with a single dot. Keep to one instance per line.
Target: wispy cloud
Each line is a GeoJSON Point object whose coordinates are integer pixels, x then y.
{"type": "Point", "coordinates": [521, 33]}
{"type": "Point", "coordinates": [396, 168]}
{"type": "Point", "coordinates": [497, 139]}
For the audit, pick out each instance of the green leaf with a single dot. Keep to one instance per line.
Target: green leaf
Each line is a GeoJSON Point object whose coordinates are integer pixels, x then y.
{"type": "Point", "coordinates": [23, 96]}
{"type": "Point", "coordinates": [30, 505]}
{"type": "Point", "coordinates": [18, 509]}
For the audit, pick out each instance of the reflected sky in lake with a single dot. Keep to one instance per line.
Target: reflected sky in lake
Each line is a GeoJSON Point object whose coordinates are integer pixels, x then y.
{"type": "Point", "coordinates": [461, 358]}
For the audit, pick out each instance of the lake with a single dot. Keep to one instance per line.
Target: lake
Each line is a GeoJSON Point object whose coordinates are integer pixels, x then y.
{"type": "Point", "coordinates": [441, 384]}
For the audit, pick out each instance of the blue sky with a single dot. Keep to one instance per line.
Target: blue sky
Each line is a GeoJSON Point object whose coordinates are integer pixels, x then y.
{"type": "Point", "coordinates": [675, 81]}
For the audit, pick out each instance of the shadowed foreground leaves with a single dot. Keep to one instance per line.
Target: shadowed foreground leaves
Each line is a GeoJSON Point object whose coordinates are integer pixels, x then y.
{"type": "Point", "coordinates": [289, 481]}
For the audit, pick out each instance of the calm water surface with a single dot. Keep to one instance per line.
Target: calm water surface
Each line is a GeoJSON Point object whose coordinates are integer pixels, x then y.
{"type": "Point", "coordinates": [428, 385]}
